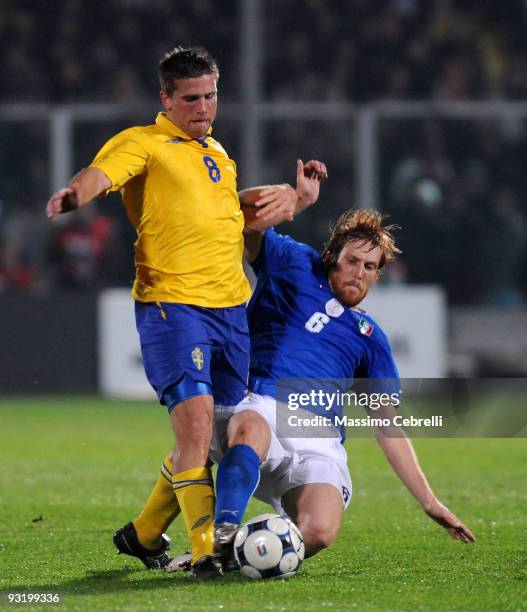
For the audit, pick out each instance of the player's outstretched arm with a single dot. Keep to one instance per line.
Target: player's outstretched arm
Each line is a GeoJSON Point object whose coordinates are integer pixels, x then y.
{"type": "Point", "coordinates": [308, 179]}
{"type": "Point", "coordinates": [264, 207]}
{"type": "Point", "coordinates": [267, 205]}
{"type": "Point", "coordinates": [401, 455]}
{"type": "Point", "coordinates": [83, 187]}
{"type": "Point", "coordinates": [270, 205]}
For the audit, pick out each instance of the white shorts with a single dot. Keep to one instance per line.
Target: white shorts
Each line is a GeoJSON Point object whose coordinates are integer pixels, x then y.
{"type": "Point", "coordinates": [290, 462]}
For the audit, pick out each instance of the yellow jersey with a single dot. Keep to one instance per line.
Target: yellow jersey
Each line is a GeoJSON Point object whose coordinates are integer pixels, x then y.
{"type": "Point", "coordinates": [180, 194]}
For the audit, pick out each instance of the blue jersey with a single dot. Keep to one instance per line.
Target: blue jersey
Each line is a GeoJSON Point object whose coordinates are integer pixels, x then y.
{"type": "Point", "coordinates": [299, 330]}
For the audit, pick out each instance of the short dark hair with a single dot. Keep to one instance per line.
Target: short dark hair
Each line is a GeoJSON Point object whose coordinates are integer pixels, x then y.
{"type": "Point", "coordinates": [360, 224]}
{"type": "Point", "coordinates": [185, 63]}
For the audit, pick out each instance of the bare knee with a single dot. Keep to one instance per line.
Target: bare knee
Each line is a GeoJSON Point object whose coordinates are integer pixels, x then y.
{"type": "Point", "coordinates": [246, 427]}
{"type": "Point", "coordinates": [249, 427]}
{"type": "Point", "coordinates": [318, 534]}
{"type": "Point", "coordinates": [317, 510]}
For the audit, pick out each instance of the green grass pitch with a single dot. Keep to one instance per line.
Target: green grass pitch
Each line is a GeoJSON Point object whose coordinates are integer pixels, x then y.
{"type": "Point", "coordinates": [73, 470]}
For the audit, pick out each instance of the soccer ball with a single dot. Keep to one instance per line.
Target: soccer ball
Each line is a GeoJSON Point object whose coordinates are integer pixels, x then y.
{"type": "Point", "coordinates": [269, 546]}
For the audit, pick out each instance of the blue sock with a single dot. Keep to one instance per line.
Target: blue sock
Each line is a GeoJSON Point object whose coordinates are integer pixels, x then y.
{"type": "Point", "coordinates": [237, 478]}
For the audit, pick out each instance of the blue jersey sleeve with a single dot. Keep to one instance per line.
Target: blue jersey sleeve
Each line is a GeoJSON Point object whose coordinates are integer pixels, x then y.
{"type": "Point", "coordinates": [277, 252]}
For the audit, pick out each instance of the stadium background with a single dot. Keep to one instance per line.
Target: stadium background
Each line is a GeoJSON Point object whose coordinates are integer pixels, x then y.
{"type": "Point", "coordinates": [416, 107]}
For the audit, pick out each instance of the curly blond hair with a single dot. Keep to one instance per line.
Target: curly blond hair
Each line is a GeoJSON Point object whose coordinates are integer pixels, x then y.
{"type": "Point", "coordinates": [360, 224]}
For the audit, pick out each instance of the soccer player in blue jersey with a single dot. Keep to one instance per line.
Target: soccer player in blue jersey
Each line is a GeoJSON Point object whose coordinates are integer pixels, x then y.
{"type": "Point", "coordinates": [305, 322]}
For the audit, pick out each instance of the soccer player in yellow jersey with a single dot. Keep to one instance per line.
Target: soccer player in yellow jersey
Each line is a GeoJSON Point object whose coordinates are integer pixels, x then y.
{"type": "Point", "coordinates": [179, 189]}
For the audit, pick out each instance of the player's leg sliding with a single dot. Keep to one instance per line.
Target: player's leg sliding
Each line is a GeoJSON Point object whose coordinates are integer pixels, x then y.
{"type": "Point", "coordinates": [317, 510]}
{"type": "Point", "coordinates": [237, 478]}
{"type": "Point", "coordinates": [144, 538]}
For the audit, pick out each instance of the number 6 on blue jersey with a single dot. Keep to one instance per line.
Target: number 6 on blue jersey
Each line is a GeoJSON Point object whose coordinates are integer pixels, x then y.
{"type": "Point", "coordinates": [316, 322]}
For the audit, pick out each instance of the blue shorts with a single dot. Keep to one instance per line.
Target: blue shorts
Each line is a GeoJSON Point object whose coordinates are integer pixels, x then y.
{"type": "Point", "coordinates": [190, 350]}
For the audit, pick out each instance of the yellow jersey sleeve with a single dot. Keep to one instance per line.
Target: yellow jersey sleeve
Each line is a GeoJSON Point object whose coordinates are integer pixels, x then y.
{"type": "Point", "coordinates": [123, 157]}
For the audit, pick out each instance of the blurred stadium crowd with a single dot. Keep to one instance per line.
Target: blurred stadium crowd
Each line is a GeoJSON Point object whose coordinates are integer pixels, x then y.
{"type": "Point", "coordinates": [457, 186]}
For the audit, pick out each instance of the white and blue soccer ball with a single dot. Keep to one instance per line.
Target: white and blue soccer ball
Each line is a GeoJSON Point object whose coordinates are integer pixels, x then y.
{"type": "Point", "coordinates": [269, 546]}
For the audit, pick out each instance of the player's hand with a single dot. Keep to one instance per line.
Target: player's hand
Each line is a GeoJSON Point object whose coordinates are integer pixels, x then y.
{"type": "Point", "coordinates": [62, 201]}
{"type": "Point", "coordinates": [277, 200]}
{"type": "Point", "coordinates": [308, 179]}
{"type": "Point", "coordinates": [442, 515]}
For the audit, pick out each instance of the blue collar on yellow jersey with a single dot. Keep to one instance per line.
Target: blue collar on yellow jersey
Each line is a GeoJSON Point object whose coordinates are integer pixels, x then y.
{"type": "Point", "coordinates": [172, 129]}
